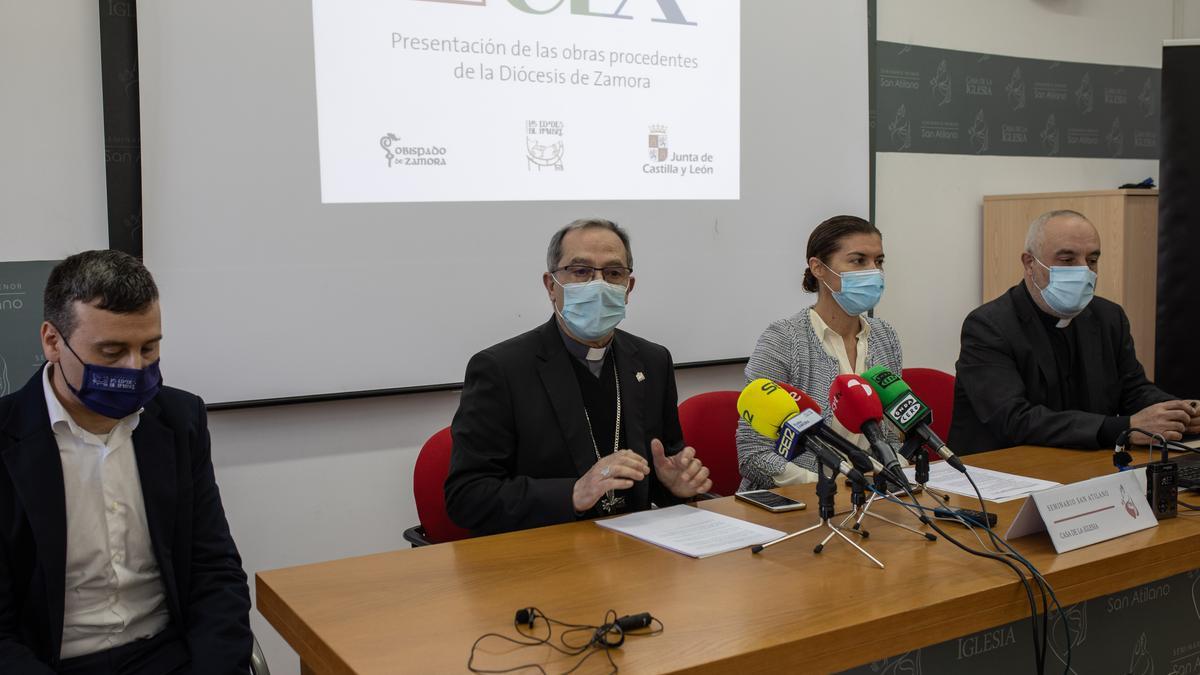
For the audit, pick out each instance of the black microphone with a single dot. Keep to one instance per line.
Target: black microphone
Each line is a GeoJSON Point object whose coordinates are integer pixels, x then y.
{"type": "Point", "coordinates": [526, 615]}
{"type": "Point", "coordinates": [1121, 458]}
{"type": "Point", "coordinates": [634, 621]}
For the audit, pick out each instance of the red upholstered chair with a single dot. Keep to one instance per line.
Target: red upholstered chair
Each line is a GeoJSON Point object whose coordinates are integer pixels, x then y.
{"type": "Point", "coordinates": [709, 422]}
{"type": "Point", "coordinates": [429, 476]}
{"type": "Point", "coordinates": [936, 389]}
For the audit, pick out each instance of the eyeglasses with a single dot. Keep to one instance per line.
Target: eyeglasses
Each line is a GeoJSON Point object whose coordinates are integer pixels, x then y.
{"type": "Point", "coordinates": [585, 273]}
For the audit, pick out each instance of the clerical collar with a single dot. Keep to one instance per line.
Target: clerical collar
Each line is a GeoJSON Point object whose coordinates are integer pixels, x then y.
{"type": "Point", "coordinates": [1049, 320]}
{"type": "Point", "coordinates": [581, 351]}
{"type": "Point", "coordinates": [592, 357]}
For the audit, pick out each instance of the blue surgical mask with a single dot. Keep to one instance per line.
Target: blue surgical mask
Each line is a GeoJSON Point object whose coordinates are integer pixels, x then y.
{"type": "Point", "coordinates": [115, 393]}
{"type": "Point", "coordinates": [592, 310]}
{"type": "Point", "coordinates": [1070, 289]}
{"type": "Point", "coordinates": [860, 290]}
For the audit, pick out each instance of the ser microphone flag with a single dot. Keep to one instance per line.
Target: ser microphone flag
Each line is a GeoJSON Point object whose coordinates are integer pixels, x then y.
{"type": "Point", "coordinates": [774, 414]}
{"type": "Point", "coordinates": [832, 439]}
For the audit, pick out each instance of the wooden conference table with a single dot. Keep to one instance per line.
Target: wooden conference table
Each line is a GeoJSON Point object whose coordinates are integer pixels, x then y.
{"type": "Point", "coordinates": [784, 610]}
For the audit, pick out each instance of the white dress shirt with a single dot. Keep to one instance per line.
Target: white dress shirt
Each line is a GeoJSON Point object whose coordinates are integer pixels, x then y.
{"type": "Point", "coordinates": [114, 594]}
{"type": "Point", "coordinates": [833, 345]}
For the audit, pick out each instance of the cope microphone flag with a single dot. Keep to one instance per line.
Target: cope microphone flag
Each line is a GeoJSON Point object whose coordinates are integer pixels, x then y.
{"type": "Point", "coordinates": [907, 412]}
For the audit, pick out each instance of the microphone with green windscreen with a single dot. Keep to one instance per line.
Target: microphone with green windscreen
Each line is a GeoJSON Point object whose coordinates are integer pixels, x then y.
{"type": "Point", "coordinates": [908, 413]}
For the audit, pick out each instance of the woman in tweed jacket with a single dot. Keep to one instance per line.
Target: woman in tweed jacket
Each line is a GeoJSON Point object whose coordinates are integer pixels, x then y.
{"type": "Point", "coordinates": [809, 349]}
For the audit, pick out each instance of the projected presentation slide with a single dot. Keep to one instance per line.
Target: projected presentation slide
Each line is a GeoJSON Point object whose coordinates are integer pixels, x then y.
{"type": "Point", "coordinates": [527, 100]}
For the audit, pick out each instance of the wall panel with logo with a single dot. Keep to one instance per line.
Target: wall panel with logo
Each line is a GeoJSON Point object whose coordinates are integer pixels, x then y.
{"type": "Point", "coordinates": [975, 98]}
{"type": "Point", "coordinates": [969, 103]}
{"type": "Point", "coordinates": [21, 285]}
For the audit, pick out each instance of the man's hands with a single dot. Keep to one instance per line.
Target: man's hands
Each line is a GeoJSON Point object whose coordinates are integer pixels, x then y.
{"type": "Point", "coordinates": [680, 473]}
{"type": "Point", "coordinates": [1193, 426]}
{"type": "Point", "coordinates": [613, 472]}
{"type": "Point", "coordinates": [1171, 419]}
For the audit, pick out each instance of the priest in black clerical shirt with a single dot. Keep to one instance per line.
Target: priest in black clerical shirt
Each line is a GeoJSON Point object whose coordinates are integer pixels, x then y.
{"type": "Point", "coordinates": [574, 419]}
{"type": "Point", "coordinates": [1047, 363]}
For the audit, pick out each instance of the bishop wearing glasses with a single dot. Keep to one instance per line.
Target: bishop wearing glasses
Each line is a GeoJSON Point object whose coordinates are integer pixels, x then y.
{"type": "Point", "coordinates": [574, 419]}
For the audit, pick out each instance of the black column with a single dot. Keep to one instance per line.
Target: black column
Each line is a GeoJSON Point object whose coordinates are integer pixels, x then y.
{"type": "Point", "coordinates": [1176, 357]}
{"type": "Point", "coordinates": [122, 124]}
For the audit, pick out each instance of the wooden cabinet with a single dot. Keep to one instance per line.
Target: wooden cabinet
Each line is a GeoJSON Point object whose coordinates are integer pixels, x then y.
{"type": "Point", "coordinates": [1128, 272]}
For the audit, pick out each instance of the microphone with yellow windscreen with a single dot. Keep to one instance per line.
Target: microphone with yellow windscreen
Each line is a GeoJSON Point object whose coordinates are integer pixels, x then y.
{"type": "Point", "coordinates": [765, 407]}
{"type": "Point", "coordinates": [772, 412]}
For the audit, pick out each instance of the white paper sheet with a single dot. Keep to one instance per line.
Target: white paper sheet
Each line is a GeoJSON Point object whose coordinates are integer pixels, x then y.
{"type": "Point", "coordinates": [995, 486]}
{"type": "Point", "coordinates": [690, 531]}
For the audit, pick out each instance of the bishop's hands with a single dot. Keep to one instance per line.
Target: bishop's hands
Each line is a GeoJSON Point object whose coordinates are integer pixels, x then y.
{"type": "Point", "coordinates": [617, 471]}
{"type": "Point", "coordinates": [682, 473]}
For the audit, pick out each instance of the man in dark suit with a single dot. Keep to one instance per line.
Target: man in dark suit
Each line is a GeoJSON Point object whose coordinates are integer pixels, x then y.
{"type": "Point", "coordinates": [573, 419]}
{"type": "Point", "coordinates": [115, 555]}
{"type": "Point", "coordinates": [1049, 364]}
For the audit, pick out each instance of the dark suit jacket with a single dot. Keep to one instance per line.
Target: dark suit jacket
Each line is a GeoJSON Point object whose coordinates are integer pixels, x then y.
{"type": "Point", "coordinates": [1007, 390]}
{"type": "Point", "coordinates": [202, 575]}
{"type": "Point", "coordinates": [520, 439]}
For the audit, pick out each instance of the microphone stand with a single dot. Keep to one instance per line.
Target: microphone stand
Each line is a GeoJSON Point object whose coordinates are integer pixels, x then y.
{"type": "Point", "coordinates": [858, 507]}
{"type": "Point", "coordinates": [882, 487]}
{"type": "Point", "coordinates": [914, 451]}
{"type": "Point", "coordinates": [826, 490]}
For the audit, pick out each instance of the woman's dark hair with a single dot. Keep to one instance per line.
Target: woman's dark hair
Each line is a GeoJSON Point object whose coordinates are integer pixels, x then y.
{"type": "Point", "coordinates": [827, 238]}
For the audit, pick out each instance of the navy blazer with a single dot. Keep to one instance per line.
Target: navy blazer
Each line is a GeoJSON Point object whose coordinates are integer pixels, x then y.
{"type": "Point", "coordinates": [521, 441]}
{"type": "Point", "coordinates": [1007, 391]}
{"type": "Point", "coordinates": [205, 586]}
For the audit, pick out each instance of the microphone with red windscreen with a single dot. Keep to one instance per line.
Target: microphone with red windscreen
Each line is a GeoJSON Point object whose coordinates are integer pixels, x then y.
{"type": "Point", "coordinates": [856, 405]}
{"type": "Point", "coordinates": [802, 399]}
{"type": "Point", "coordinates": [861, 460]}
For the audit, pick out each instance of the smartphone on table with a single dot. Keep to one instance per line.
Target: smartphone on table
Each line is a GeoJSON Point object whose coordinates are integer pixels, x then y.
{"type": "Point", "coordinates": [770, 501]}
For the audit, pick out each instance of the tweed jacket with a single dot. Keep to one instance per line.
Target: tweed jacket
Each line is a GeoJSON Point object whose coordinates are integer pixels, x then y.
{"type": "Point", "coordinates": [790, 351]}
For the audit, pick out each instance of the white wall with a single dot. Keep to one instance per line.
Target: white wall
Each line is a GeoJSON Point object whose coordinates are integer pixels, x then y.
{"type": "Point", "coordinates": [1187, 18]}
{"type": "Point", "coordinates": [52, 199]}
{"type": "Point", "coordinates": [323, 481]}
{"type": "Point", "coordinates": [1119, 32]}
{"type": "Point", "coordinates": [930, 207]}
{"type": "Point", "coordinates": [313, 482]}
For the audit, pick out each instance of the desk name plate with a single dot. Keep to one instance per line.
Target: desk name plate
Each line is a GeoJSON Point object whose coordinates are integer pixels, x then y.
{"type": "Point", "coordinates": [1087, 512]}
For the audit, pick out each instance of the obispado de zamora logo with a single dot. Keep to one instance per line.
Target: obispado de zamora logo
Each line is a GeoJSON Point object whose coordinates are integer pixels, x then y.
{"type": "Point", "coordinates": [411, 155]}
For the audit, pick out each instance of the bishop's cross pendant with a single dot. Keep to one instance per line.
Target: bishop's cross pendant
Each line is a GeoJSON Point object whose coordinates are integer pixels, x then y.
{"type": "Point", "coordinates": [611, 502]}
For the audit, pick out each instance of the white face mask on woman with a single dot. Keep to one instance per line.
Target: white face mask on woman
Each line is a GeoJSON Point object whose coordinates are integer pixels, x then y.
{"type": "Point", "coordinates": [860, 292]}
